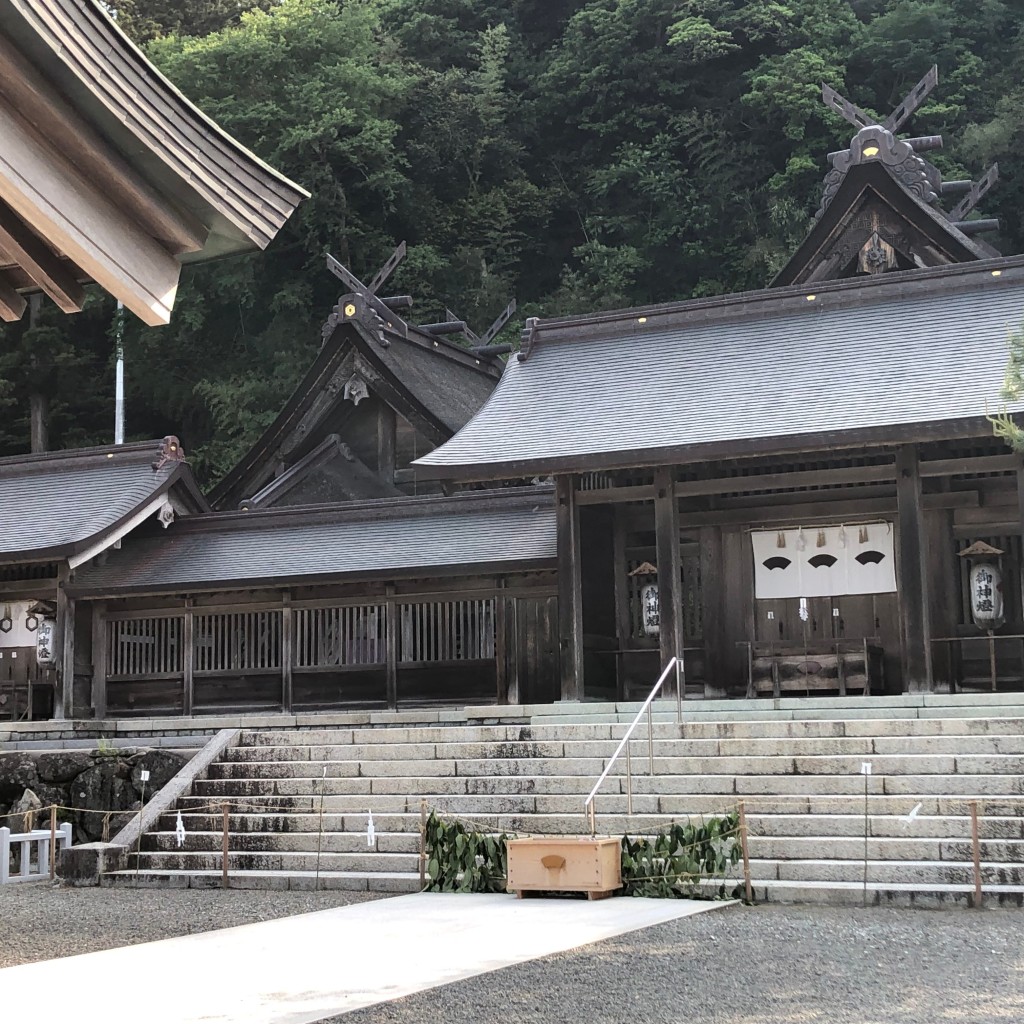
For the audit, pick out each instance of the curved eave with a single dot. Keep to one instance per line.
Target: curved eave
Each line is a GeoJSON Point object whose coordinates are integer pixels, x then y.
{"type": "Point", "coordinates": [187, 157]}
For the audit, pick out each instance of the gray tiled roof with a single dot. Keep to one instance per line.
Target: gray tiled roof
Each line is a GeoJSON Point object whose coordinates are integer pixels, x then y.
{"type": "Point", "coordinates": [400, 537]}
{"type": "Point", "coordinates": [773, 365]}
{"type": "Point", "coordinates": [450, 390]}
{"type": "Point", "coordinates": [54, 505]}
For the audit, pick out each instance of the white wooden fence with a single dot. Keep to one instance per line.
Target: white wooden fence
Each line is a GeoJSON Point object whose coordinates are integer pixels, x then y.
{"type": "Point", "coordinates": [41, 839]}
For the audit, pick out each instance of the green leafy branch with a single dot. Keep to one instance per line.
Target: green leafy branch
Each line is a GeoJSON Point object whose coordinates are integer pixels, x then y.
{"type": "Point", "coordinates": [678, 862]}
{"type": "Point", "coordinates": [1003, 424]}
{"type": "Point", "coordinates": [460, 859]}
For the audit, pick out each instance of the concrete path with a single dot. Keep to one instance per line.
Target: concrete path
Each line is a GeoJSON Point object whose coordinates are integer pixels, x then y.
{"type": "Point", "coordinates": [301, 969]}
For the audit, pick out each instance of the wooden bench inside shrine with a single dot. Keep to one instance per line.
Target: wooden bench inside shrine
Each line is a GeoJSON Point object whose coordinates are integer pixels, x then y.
{"type": "Point", "coordinates": [828, 666]}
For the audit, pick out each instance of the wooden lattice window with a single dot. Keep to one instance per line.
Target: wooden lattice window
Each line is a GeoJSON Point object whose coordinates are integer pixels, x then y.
{"type": "Point", "coordinates": [237, 641]}
{"type": "Point", "coordinates": [447, 631]}
{"type": "Point", "coordinates": [147, 647]}
{"type": "Point", "coordinates": [348, 635]}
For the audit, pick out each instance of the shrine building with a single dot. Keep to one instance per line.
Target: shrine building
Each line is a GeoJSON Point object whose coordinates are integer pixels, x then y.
{"type": "Point", "coordinates": [795, 491]}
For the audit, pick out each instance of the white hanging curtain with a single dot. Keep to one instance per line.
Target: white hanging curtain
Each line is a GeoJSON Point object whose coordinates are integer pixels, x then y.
{"type": "Point", "coordinates": [826, 561]}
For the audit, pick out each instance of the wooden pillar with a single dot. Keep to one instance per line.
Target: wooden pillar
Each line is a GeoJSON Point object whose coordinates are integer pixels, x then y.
{"type": "Point", "coordinates": [913, 578]}
{"type": "Point", "coordinates": [387, 432]}
{"type": "Point", "coordinates": [670, 594]}
{"type": "Point", "coordinates": [943, 593]}
{"type": "Point", "coordinates": [287, 651]}
{"type": "Point", "coordinates": [99, 660]}
{"type": "Point", "coordinates": [392, 626]}
{"type": "Point", "coordinates": [712, 590]}
{"type": "Point", "coordinates": [188, 660]}
{"type": "Point", "coordinates": [65, 654]}
{"type": "Point", "coordinates": [1018, 569]}
{"type": "Point", "coordinates": [623, 618]}
{"type": "Point", "coordinates": [501, 666]}
{"type": "Point", "coordinates": [570, 588]}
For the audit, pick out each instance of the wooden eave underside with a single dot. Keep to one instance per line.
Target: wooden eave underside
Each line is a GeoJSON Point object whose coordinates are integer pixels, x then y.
{"type": "Point", "coordinates": [909, 433]}
{"type": "Point", "coordinates": [59, 226]}
{"type": "Point", "coordinates": [471, 569]}
{"type": "Point", "coordinates": [107, 173]}
{"type": "Point", "coordinates": [112, 84]}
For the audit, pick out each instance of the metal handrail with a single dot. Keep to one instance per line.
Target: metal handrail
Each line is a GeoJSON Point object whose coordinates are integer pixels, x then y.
{"type": "Point", "coordinates": [588, 804]}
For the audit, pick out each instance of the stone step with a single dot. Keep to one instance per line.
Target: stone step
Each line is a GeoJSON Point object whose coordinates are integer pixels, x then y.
{"type": "Point", "coordinates": [867, 712]}
{"type": "Point", "coordinates": [901, 872]}
{"type": "Point", "coordinates": [282, 842]}
{"type": "Point", "coordinates": [878, 803]}
{"type": "Point", "coordinates": [841, 820]}
{"type": "Point", "coordinates": [887, 848]}
{"type": "Point", "coordinates": [239, 759]}
{"type": "Point", "coordinates": [691, 729]}
{"type": "Point", "coordinates": [908, 894]}
{"type": "Point", "coordinates": [358, 881]}
{"type": "Point", "coordinates": [277, 860]}
{"type": "Point", "coordinates": [664, 786]}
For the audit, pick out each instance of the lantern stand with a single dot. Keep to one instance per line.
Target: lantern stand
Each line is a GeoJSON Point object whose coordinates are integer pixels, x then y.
{"type": "Point", "coordinates": [650, 610]}
{"type": "Point", "coordinates": [986, 591]}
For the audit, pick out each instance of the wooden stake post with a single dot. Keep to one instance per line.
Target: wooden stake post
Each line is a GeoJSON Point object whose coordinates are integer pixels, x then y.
{"type": "Point", "coordinates": [225, 810]}
{"type": "Point", "coordinates": [976, 849]}
{"type": "Point", "coordinates": [747, 890]}
{"type": "Point", "coordinates": [423, 845]}
{"type": "Point", "coordinates": [53, 841]}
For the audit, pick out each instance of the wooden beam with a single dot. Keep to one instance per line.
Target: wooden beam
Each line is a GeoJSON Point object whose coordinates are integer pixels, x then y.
{"type": "Point", "coordinates": [785, 481]}
{"type": "Point", "coordinates": [570, 588]}
{"type": "Point", "coordinates": [387, 432]}
{"type": "Point", "coordinates": [39, 261]}
{"type": "Point", "coordinates": [848, 509]}
{"type": "Point", "coordinates": [12, 305]}
{"type": "Point", "coordinates": [913, 578]}
{"type": "Point", "coordinates": [615, 495]}
{"type": "Point", "coordinates": [980, 464]}
{"type": "Point", "coordinates": [669, 561]}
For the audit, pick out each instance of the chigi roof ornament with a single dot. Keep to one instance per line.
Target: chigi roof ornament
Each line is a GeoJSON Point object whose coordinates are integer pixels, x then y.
{"type": "Point", "coordinates": [362, 303]}
{"type": "Point", "coordinates": [876, 141]}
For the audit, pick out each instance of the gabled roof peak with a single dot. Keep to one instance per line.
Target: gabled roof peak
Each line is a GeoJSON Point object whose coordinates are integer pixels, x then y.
{"type": "Point", "coordinates": [885, 206]}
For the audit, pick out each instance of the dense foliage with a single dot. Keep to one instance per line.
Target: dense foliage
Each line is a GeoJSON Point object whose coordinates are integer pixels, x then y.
{"type": "Point", "coordinates": [460, 859]}
{"type": "Point", "coordinates": [575, 154]}
{"type": "Point", "coordinates": [684, 861]}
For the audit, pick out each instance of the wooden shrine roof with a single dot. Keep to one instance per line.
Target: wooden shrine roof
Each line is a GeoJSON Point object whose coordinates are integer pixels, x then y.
{"type": "Point", "coordinates": [403, 537]}
{"type": "Point", "coordinates": [59, 504]}
{"type": "Point", "coordinates": [860, 361]}
{"type": "Point", "coordinates": [108, 173]}
{"type": "Point", "coordinates": [434, 383]}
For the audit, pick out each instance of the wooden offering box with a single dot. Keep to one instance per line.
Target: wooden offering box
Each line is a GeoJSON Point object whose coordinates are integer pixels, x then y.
{"type": "Point", "coordinates": [565, 864]}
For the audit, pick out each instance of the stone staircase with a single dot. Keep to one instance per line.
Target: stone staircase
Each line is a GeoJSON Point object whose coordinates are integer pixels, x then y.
{"type": "Point", "coordinates": [795, 764]}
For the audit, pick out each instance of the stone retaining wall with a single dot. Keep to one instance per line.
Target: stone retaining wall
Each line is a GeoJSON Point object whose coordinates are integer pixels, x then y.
{"type": "Point", "coordinates": [90, 782]}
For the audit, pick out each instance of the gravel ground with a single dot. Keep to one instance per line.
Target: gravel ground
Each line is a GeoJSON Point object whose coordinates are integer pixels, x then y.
{"type": "Point", "coordinates": [760, 965]}
{"type": "Point", "coordinates": [740, 965]}
{"type": "Point", "coordinates": [42, 922]}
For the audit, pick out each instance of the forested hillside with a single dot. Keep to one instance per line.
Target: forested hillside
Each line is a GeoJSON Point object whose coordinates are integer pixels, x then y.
{"type": "Point", "coordinates": [574, 154]}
